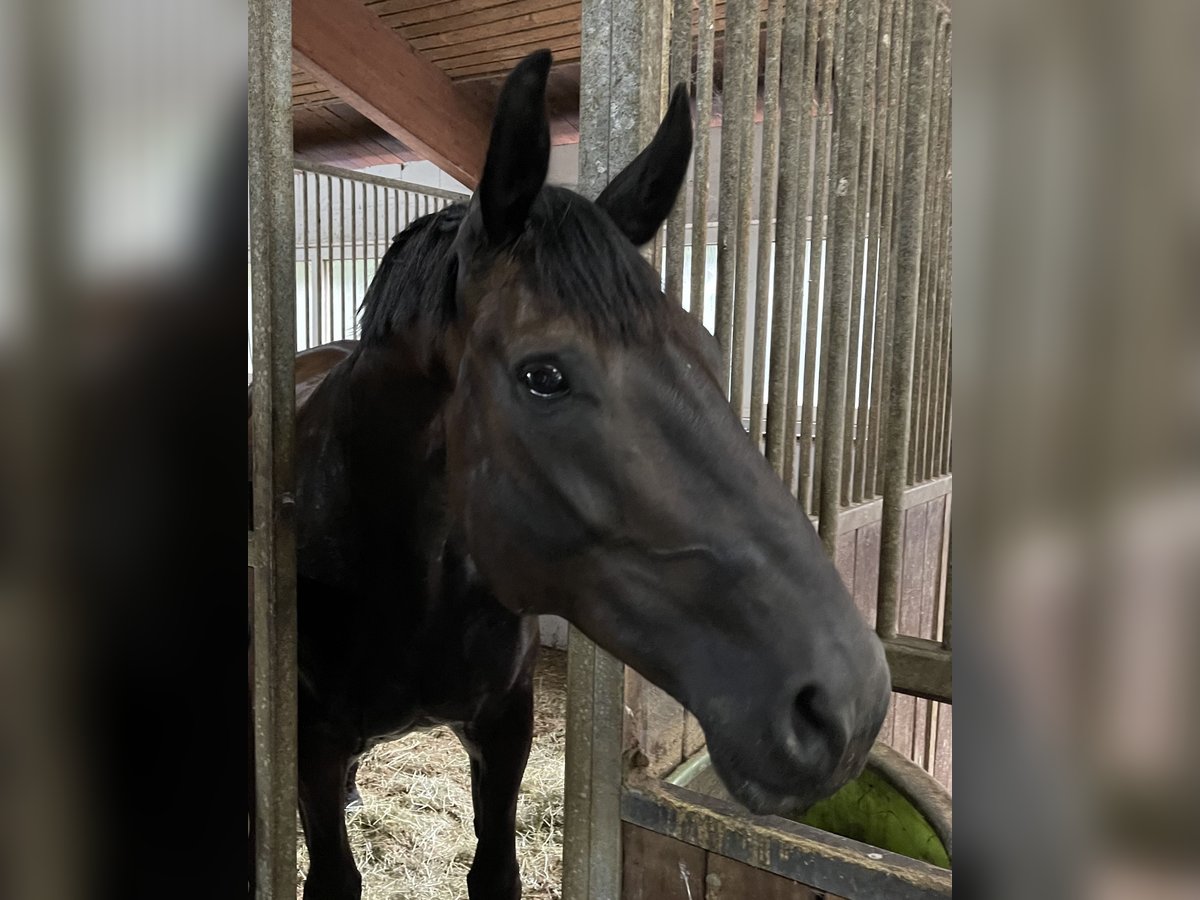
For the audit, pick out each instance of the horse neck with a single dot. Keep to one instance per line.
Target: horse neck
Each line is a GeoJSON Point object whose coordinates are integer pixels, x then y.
{"type": "Point", "coordinates": [372, 470]}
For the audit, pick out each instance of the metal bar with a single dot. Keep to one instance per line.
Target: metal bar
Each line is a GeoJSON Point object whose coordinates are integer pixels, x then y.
{"type": "Point", "coordinates": [887, 267]}
{"type": "Point", "coordinates": [341, 244]}
{"type": "Point", "coordinates": [790, 850]}
{"type": "Point", "coordinates": [736, 24]}
{"type": "Point", "coordinates": [621, 51]}
{"type": "Point", "coordinates": [792, 113]}
{"type": "Point", "coordinates": [379, 180]}
{"type": "Point", "coordinates": [744, 125]}
{"type": "Point", "coordinates": [273, 301]}
{"type": "Point", "coordinates": [882, 160]}
{"type": "Point", "coordinates": [843, 284]}
{"type": "Point", "coordinates": [352, 323]}
{"type": "Point", "coordinates": [862, 300]}
{"type": "Point", "coordinates": [678, 71]}
{"type": "Point", "coordinates": [307, 267]}
{"type": "Point", "coordinates": [810, 437]}
{"type": "Point", "coordinates": [766, 211]}
{"type": "Point", "coordinates": [925, 311]}
{"type": "Point", "coordinates": [945, 270]}
{"type": "Point", "coordinates": [908, 250]}
{"type": "Point", "coordinates": [942, 246]}
{"type": "Point", "coordinates": [804, 230]}
{"type": "Point", "coordinates": [318, 276]}
{"type": "Point", "coordinates": [930, 263]}
{"type": "Point", "coordinates": [700, 166]}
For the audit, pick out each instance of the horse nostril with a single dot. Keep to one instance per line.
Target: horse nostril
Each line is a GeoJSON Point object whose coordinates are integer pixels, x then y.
{"type": "Point", "coordinates": [805, 716]}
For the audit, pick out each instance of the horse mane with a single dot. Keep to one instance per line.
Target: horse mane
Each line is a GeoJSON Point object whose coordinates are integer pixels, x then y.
{"type": "Point", "coordinates": [571, 253]}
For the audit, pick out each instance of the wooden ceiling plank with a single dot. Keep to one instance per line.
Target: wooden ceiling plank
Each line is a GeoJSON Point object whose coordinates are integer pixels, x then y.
{"type": "Point", "coordinates": [351, 51]}
{"type": "Point", "coordinates": [527, 38]}
{"type": "Point", "coordinates": [438, 11]}
{"type": "Point", "coordinates": [501, 65]}
{"type": "Point", "coordinates": [497, 20]}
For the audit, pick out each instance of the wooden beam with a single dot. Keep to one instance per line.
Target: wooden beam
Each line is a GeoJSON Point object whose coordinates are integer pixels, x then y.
{"type": "Point", "coordinates": [349, 50]}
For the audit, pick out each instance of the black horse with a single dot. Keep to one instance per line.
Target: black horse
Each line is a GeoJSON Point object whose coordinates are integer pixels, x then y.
{"type": "Point", "coordinates": [528, 425]}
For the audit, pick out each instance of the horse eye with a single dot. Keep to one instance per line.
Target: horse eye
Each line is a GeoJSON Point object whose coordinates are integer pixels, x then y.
{"type": "Point", "coordinates": [544, 380]}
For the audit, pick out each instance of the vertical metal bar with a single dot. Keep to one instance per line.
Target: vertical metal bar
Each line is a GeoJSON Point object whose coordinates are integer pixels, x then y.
{"type": "Point", "coordinates": [810, 439]}
{"type": "Point", "coordinates": [862, 298]}
{"type": "Point", "coordinates": [704, 95]}
{"type": "Point", "coordinates": [766, 212]}
{"type": "Point", "coordinates": [679, 71]}
{"type": "Point", "coordinates": [748, 88]}
{"type": "Point", "coordinates": [923, 374]}
{"type": "Point", "coordinates": [814, 17]}
{"type": "Point", "coordinates": [351, 331]}
{"type": "Point", "coordinates": [887, 261]}
{"type": "Point", "coordinates": [273, 274]}
{"type": "Point", "coordinates": [378, 220]}
{"type": "Point", "coordinates": [318, 276]}
{"type": "Point", "coordinates": [736, 44]}
{"type": "Point", "coordinates": [890, 22]}
{"type": "Point", "coordinates": [621, 50]}
{"type": "Point", "coordinates": [307, 268]}
{"type": "Point", "coordinates": [843, 284]}
{"type": "Point", "coordinates": [792, 114]}
{"type": "Point", "coordinates": [908, 252]}
{"type": "Point", "coordinates": [931, 427]}
{"type": "Point", "coordinates": [944, 269]}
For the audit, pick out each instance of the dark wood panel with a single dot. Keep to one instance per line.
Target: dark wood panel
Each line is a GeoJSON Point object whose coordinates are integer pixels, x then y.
{"type": "Point", "coordinates": [845, 559]}
{"type": "Point", "coordinates": [866, 570]}
{"type": "Point", "coordinates": [656, 867]}
{"type": "Point", "coordinates": [943, 756]}
{"type": "Point", "coordinates": [729, 879]}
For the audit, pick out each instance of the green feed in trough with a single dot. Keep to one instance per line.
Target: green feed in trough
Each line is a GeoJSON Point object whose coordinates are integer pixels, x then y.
{"type": "Point", "coordinates": [894, 805]}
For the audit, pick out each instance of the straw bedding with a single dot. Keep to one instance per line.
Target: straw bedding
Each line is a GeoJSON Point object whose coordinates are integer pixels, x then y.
{"type": "Point", "coordinates": [413, 838]}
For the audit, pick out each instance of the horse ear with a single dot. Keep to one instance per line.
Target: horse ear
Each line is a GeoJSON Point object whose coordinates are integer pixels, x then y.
{"type": "Point", "coordinates": [518, 154]}
{"type": "Point", "coordinates": [640, 198]}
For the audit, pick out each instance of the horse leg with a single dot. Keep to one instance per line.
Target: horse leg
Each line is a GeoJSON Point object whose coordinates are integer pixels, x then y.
{"type": "Point", "coordinates": [498, 742]}
{"type": "Point", "coordinates": [353, 797]}
{"type": "Point", "coordinates": [332, 874]}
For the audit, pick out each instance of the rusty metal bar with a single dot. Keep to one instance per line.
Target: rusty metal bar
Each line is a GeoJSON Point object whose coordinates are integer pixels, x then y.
{"type": "Point", "coordinates": [807, 260]}
{"type": "Point", "coordinates": [736, 66]}
{"type": "Point", "coordinates": [748, 87]}
{"type": "Point", "coordinates": [818, 319]}
{"type": "Point", "coordinates": [792, 114]}
{"type": "Point", "coordinates": [273, 301]}
{"type": "Point", "coordinates": [883, 159]}
{"type": "Point", "coordinates": [843, 285]}
{"type": "Point", "coordinates": [704, 97]}
{"type": "Point", "coordinates": [908, 252]}
{"type": "Point", "coordinates": [766, 213]}
{"type": "Point", "coordinates": [862, 297]}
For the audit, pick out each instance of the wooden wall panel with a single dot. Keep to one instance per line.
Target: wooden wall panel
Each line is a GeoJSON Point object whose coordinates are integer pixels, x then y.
{"type": "Point", "coordinates": [656, 867]}
{"type": "Point", "coordinates": [728, 879]}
